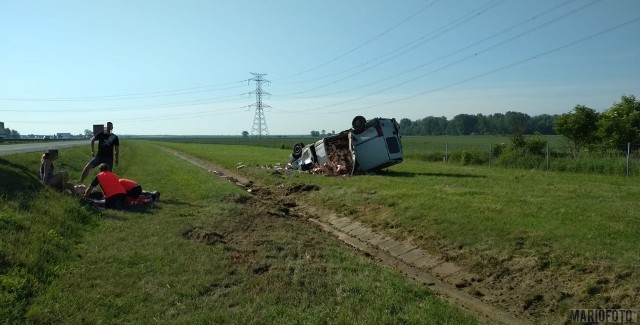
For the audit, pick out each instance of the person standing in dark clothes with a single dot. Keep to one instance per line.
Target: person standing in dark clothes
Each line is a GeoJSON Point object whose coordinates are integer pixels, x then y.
{"type": "Point", "coordinates": [108, 143]}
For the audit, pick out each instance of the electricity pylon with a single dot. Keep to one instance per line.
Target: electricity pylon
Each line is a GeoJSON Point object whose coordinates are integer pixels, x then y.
{"type": "Point", "coordinates": [259, 122]}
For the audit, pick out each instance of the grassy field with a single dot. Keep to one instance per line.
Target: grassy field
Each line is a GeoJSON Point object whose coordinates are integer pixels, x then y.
{"type": "Point", "coordinates": [206, 253]}
{"type": "Point", "coordinates": [413, 145]}
{"type": "Point", "coordinates": [585, 215]}
{"type": "Point", "coordinates": [568, 240]}
{"type": "Point", "coordinates": [474, 150]}
{"type": "Point", "coordinates": [540, 243]}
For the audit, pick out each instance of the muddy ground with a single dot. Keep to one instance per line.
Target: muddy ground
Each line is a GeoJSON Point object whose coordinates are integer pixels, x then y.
{"type": "Point", "coordinates": [527, 287]}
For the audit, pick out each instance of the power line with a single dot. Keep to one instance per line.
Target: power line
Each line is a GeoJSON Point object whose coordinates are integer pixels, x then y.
{"type": "Point", "coordinates": [505, 67]}
{"type": "Point", "coordinates": [223, 111]}
{"type": "Point", "coordinates": [473, 55]}
{"type": "Point", "coordinates": [211, 100]}
{"type": "Point", "coordinates": [141, 95]}
{"type": "Point", "coordinates": [361, 45]}
{"type": "Point", "coordinates": [408, 46]}
{"type": "Point", "coordinates": [413, 69]}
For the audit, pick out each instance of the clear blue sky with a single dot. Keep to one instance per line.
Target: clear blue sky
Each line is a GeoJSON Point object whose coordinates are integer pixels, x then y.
{"type": "Point", "coordinates": [181, 67]}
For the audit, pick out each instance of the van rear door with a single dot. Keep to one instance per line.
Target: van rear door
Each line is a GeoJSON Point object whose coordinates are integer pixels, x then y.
{"type": "Point", "coordinates": [392, 138]}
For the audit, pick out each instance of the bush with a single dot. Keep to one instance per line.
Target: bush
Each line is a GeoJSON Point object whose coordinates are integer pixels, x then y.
{"type": "Point", "coordinates": [473, 157]}
{"type": "Point", "coordinates": [536, 145]}
{"type": "Point", "coordinates": [497, 150]}
{"type": "Point", "coordinates": [431, 156]}
{"type": "Point", "coordinates": [518, 159]}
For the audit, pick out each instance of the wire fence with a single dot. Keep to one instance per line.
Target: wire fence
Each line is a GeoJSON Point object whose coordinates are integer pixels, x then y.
{"type": "Point", "coordinates": [613, 162]}
{"type": "Point", "coordinates": [553, 155]}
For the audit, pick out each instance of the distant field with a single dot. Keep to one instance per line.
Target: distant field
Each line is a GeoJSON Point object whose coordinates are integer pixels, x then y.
{"type": "Point", "coordinates": [472, 150]}
{"type": "Point", "coordinates": [417, 145]}
{"type": "Point", "coordinates": [412, 144]}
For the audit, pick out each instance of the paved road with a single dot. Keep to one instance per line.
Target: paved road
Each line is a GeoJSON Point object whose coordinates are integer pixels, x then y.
{"type": "Point", "coordinates": [12, 149]}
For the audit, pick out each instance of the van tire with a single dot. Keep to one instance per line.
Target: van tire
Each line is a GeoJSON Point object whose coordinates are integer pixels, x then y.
{"type": "Point", "coordinates": [359, 124]}
{"type": "Point", "coordinates": [297, 150]}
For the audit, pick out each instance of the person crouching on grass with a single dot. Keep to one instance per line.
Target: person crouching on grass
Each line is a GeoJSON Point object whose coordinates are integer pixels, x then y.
{"type": "Point", "coordinates": [135, 192]}
{"type": "Point", "coordinates": [114, 193]}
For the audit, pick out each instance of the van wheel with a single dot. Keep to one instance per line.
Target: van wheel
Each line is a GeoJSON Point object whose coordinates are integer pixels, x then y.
{"type": "Point", "coordinates": [358, 124]}
{"type": "Point", "coordinates": [297, 150]}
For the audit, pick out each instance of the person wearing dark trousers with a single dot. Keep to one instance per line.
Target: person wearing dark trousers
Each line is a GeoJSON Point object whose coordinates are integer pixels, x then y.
{"type": "Point", "coordinates": [108, 144]}
{"type": "Point", "coordinates": [134, 190]}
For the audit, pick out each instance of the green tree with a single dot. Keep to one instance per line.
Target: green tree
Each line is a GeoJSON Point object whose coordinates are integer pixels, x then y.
{"type": "Point", "coordinates": [516, 122]}
{"type": "Point", "coordinates": [463, 124]}
{"type": "Point", "coordinates": [620, 124]}
{"type": "Point", "coordinates": [405, 126]}
{"type": "Point", "coordinates": [245, 134]}
{"type": "Point", "coordinates": [496, 123]}
{"type": "Point", "coordinates": [432, 125]}
{"type": "Point", "coordinates": [11, 134]}
{"type": "Point", "coordinates": [542, 123]}
{"type": "Point", "coordinates": [580, 126]}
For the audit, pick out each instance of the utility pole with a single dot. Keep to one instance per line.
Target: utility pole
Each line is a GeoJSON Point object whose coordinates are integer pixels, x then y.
{"type": "Point", "coordinates": [259, 122]}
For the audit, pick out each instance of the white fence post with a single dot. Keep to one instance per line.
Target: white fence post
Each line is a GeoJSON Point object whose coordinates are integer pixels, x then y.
{"type": "Point", "coordinates": [490, 154]}
{"type": "Point", "coordinates": [628, 155]}
{"type": "Point", "coordinates": [446, 152]}
{"type": "Point", "coordinates": [547, 156]}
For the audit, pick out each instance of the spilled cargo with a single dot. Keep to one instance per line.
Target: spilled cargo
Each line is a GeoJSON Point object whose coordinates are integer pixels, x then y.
{"type": "Point", "coordinates": [368, 146]}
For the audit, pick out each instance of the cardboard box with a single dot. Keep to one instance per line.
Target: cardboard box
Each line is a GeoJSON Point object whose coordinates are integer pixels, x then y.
{"type": "Point", "coordinates": [97, 129]}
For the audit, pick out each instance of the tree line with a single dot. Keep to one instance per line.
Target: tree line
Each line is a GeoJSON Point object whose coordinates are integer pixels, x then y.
{"type": "Point", "coordinates": [614, 128]}
{"type": "Point", "coordinates": [509, 123]}
{"type": "Point", "coordinates": [9, 134]}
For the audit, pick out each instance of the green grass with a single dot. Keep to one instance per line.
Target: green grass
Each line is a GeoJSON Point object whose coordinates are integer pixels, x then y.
{"type": "Point", "coordinates": [579, 214]}
{"type": "Point", "coordinates": [63, 263]}
{"type": "Point", "coordinates": [412, 145]}
{"type": "Point", "coordinates": [471, 150]}
{"type": "Point", "coordinates": [38, 231]}
{"type": "Point", "coordinates": [577, 228]}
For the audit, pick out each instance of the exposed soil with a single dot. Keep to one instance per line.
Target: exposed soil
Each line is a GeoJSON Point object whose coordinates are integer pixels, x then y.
{"type": "Point", "coordinates": [203, 236]}
{"type": "Point", "coordinates": [526, 287]}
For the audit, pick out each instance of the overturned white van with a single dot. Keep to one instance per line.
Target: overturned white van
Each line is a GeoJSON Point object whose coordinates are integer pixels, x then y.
{"type": "Point", "coordinates": [368, 146]}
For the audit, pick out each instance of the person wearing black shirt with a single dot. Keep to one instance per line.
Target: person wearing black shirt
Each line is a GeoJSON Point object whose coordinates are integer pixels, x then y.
{"type": "Point", "coordinates": [108, 143]}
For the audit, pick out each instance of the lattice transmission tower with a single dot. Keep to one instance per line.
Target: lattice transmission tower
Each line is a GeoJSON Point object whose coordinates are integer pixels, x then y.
{"type": "Point", "coordinates": [259, 122]}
